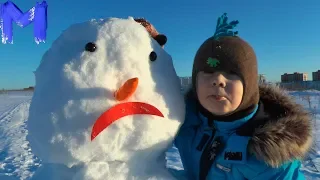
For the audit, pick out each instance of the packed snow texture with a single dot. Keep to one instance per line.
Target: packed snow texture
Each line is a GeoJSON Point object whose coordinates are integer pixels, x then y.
{"type": "Point", "coordinates": [74, 87]}
{"type": "Point", "coordinates": [16, 158]}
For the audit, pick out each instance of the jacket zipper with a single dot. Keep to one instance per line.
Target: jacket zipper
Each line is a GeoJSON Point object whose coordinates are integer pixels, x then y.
{"type": "Point", "coordinates": [209, 154]}
{"type": "Point", "coordinates": [204, 160]}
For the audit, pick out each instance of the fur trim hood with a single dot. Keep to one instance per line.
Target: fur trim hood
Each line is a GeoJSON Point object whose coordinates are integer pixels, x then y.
{"type": "Point", "coordinates": [281, 130]}
{"type": "Point", "coordinates": [286, 134]}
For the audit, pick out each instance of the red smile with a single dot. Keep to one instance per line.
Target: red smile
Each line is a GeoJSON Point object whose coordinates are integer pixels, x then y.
{"type": "Point", "coordinates": [121, 110]}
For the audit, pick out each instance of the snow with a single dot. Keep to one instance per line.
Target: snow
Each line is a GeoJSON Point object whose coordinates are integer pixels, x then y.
{"type": "Point", "coordinates": [311, 101]}
{"type": "Point", "coordinates": [75, 87]}
{"type": "Point", "coordinates": [16, 158]}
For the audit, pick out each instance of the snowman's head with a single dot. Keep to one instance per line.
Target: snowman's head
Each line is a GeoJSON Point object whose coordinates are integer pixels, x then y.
{"type": "Point", "coordinates": [105, 91]}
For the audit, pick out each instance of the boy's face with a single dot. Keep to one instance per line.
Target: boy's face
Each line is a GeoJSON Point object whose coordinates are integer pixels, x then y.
{"type": "Point", "coordinates": [219, 92]}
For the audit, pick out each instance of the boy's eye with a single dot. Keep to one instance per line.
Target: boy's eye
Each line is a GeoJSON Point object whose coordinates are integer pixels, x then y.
{"type": "Point", "coordinates": [206, 74]}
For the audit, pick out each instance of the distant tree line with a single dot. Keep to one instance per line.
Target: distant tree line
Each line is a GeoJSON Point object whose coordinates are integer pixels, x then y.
{"type": "Point", "coordinates": [3, 91]}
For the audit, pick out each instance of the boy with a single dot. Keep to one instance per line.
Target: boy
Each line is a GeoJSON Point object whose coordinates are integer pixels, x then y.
{"type": "Point", "coordinates": [234, 128]}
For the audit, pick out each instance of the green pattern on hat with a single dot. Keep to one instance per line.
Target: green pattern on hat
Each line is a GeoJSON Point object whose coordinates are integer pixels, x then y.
{"type": "Point", "coordinates": [213, 62]}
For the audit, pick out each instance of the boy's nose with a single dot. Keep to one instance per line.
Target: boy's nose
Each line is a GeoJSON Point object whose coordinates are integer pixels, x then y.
{"type": "Point", "coordinates": [219, 81]}
{"type": "Point", "coordinates": [220, 84]}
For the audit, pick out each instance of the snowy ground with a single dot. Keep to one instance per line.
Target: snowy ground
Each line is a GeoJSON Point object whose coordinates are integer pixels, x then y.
{"type": "Point", "coordinates": [16, 158]}
{"type": "Point", "coordinates": [311, 101]}
{"type": "Point", "coordinates": [18, 162]}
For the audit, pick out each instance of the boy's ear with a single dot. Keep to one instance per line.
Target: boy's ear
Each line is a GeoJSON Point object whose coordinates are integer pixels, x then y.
{"type": "Point", "coordinates": [161, 39]}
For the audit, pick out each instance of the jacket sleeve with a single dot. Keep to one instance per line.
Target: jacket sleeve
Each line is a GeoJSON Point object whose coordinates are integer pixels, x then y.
{"type": "Point", "coordinates": [287, 171]}
{"type": "Point", "coordinates": [184, 138]}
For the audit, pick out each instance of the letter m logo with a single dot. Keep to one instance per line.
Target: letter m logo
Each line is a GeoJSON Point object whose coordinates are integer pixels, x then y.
{"type": "Point", "coordinates": [9, 12]}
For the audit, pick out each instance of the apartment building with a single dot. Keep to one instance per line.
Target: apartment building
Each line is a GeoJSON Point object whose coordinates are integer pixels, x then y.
{"type": "Point", "coordinates": [316, 76]}
{"type": "Point", "coordinates": [295, 77]}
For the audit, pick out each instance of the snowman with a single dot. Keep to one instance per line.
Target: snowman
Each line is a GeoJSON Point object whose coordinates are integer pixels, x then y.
{"type": "Point", "coordinates": [107, 104]}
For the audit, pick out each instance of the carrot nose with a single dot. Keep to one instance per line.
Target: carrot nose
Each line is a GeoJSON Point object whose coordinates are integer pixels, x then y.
{"type": "Point", "coordinates": [127, 89]}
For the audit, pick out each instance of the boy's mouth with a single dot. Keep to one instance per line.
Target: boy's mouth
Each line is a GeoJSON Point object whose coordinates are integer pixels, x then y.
{"type": "Point", "coordinates": [219, 98]}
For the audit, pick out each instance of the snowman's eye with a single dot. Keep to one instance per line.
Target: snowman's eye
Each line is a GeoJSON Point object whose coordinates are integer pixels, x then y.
{"type": "Point", "coordinates": [161, 39]}
{"type": "Point", "coordinates": [91, 47]}
{"type": "Point", "coordinates": [153, 56]}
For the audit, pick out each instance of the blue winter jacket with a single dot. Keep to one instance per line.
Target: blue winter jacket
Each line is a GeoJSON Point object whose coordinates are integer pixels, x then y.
{"type": "Point", "coordinates": [267, 144]}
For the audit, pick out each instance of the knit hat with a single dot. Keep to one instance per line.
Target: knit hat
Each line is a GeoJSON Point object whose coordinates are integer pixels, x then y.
{"type": "Point", "coordinates": [160, 38]}
{"type": "Point", "coordinates": [229, 53]}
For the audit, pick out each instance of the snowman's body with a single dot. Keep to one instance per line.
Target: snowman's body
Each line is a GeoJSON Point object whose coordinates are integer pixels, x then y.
{"type": "Point", "coordinates": [74, 116]}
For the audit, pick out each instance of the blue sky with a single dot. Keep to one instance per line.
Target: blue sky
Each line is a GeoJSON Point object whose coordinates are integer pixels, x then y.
{"type": "Point", "coordinates": [284, 33]}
